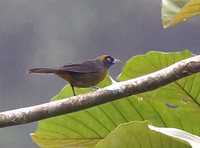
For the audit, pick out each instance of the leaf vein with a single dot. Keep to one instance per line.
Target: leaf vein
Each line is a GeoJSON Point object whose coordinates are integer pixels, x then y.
{"type": "Point", "coordinates": [85, 126]}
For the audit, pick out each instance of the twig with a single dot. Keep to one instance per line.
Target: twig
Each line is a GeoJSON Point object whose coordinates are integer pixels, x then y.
{"type": "Point", "coordinates": [110, 93]}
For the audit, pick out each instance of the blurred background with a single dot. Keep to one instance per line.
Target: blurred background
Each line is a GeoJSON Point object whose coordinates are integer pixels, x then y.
{"type": "Point", "coordinates": [49, 33]}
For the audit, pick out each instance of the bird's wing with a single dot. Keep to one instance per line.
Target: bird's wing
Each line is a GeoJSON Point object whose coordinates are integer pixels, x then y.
{"type": "Point", "coordinates": [85, 67]}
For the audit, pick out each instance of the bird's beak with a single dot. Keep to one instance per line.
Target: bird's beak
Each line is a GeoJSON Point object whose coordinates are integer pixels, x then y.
{"type": "Point", "coordinates": [116, 61]}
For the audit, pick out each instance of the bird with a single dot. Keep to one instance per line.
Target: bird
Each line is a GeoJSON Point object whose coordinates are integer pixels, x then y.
{"type": "Point", "coordinates": [82, 75]}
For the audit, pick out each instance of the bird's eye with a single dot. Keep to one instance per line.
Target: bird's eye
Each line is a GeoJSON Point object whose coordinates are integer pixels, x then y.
{"type": "Point", "coordinates": [109, 59]}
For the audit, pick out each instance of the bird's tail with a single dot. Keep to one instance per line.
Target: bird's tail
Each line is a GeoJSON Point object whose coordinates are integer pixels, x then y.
{"type": "Point", "coordinates": [42, 70]}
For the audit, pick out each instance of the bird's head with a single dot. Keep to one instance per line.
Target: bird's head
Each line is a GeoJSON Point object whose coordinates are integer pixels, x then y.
{"type": "Point", "coordinates": [108, 60]}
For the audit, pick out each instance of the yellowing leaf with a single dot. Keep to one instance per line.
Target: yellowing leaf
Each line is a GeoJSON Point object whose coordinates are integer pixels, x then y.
{"type": "Point", "coordinates": [175, 11]}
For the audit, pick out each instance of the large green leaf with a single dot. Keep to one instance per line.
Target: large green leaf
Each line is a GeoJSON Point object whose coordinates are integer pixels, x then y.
{"type": "Point", "coordinates": [175, 105]}
{"type": "Point", "coordinates": [137, 134]}
{"type": "Point", "coordinates": [175, 11]}
{"type": "Point", "coordinates": [191, 139]}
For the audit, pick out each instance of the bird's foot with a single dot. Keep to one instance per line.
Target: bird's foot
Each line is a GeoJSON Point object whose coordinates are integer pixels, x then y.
{"type": "Point", "coordinates": [95, 88]}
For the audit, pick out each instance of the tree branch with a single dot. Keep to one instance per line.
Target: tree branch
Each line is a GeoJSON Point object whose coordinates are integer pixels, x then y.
{"type": "Point", "coordinates": [110, 93]}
